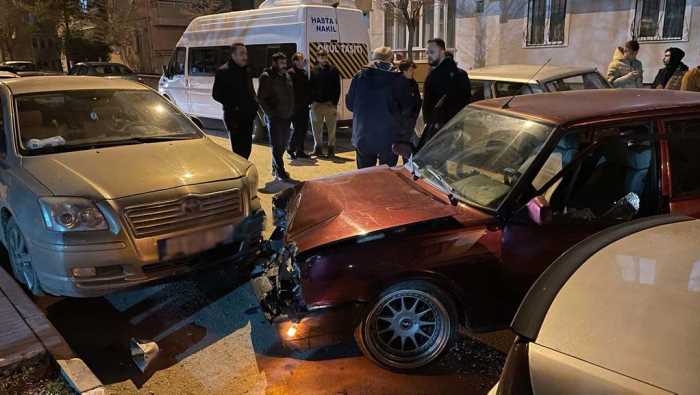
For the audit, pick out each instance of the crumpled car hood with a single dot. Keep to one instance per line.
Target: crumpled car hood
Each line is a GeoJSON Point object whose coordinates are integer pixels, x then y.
{"type": "Point", "coordinates": [358, 203]}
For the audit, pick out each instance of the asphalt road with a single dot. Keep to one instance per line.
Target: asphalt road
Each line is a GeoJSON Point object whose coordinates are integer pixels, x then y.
{"type": "Point", "coordinates": [213, 338]}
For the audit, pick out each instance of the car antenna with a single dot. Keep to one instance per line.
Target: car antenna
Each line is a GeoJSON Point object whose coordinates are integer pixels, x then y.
{"type": "Point", "coordinates": [507, 104]}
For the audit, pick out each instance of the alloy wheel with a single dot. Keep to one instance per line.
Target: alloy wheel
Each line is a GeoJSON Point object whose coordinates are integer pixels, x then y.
{"type": "Point", "coordinates": [407, 329]}
{"type": "Point", "coordinates": [20, 259]}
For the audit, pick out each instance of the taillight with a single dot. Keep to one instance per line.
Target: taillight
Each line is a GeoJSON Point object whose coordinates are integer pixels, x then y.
{"type": "Point", "coordinates": [515, 379]}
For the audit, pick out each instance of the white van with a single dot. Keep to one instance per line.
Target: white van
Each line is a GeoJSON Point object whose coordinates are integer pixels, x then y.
{"type": "Point", "coordinates": [288, 26]}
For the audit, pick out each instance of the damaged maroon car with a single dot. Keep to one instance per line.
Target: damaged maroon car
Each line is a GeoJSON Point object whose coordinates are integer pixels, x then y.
{"type": "Point", "coordinates": [402, 257]}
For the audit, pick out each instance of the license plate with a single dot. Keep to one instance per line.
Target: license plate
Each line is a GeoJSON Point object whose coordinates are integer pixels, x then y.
{"type": "Point", "coordinates": [194, 243]}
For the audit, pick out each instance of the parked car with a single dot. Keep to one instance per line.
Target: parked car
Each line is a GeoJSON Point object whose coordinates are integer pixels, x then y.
{"type": "Point", "coordinates": [105, 185]}
{"type": "Point", "coordinates": [20, 65]}
{"type": "Point", "coordinates": [524, 79]}
{"type": "Point", "coordinates": [104, 69]}
{"type": "Point", "coordinates": [402, 256]}
{"type": "Point", "coordinates": [617, 314]}
{"type": "Point", "coordinates": [7, 74]}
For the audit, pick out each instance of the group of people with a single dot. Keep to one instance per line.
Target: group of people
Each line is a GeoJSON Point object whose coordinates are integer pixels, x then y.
{"type": "Point", "coordinates": [384, 98]}
{"type": "Point", "coordinates": [626, 71]}
{"type": "Point", "coordinates": [289, 97]}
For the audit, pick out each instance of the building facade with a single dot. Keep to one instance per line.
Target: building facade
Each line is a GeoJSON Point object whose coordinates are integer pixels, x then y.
{"type": "Point", "coordinates": [160, 23]}
{"type": "Point", "coordinates": [570, 32]}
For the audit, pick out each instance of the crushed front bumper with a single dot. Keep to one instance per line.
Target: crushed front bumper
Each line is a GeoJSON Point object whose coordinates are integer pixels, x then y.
{"type": "Point", "coordinates": [278, 285]}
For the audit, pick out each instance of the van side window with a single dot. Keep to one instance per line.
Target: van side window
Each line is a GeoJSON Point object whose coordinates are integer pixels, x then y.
{"type": "Point", "coordinates": [260, 56]}
{"type": "Point", "coordinates": [177, 64]}
{"type": "Point", "coordinates": [684, 145]}
{"type": "Point", "coordinates": [204, 61]}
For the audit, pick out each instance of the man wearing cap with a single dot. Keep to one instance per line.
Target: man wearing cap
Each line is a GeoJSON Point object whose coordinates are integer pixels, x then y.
{"type": "Point", "coordinates": [325, 94]}
{"type": "Point", "coordinates": [380, 101]}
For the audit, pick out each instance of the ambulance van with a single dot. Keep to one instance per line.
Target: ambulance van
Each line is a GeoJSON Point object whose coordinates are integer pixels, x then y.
{"type": "Point", "coordinates": [288, 26]}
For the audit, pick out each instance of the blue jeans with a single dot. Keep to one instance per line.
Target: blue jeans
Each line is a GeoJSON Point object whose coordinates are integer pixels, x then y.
{"type": "Point", "coordinates": [370, 158]}
{"type": "Point", "coordinates": [279, 138]}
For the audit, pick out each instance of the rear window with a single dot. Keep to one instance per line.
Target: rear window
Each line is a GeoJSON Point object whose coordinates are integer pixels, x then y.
{"type": "Point", "coordinates": [578, 82]}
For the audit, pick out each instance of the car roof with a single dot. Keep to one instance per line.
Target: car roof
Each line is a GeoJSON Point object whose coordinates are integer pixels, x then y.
{"type": "Point", "coordinates": [524, 72]}
{"type": "Point", "coordinates": [99, 64]}
{"type": "Point", "coordinates": [580, 106]}
{"type": "Point", "coordinates": [7, 74]}
{"type": "Point", "coordinates": [20, 86]}
{"type": "Point", "coordinates": [634, 308]}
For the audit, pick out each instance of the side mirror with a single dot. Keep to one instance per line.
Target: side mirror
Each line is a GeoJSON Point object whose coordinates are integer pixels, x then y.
{"type": "Point", "coordinates": [539, 210]}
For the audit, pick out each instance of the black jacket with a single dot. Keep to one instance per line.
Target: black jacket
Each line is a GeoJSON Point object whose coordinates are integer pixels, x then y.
{"type": "Point", "coordinates": [416, 101]}
{"type": "Point", "coordinates": [302, 89]}
{"type": "Point", "coordinates": [445, 79]}
{"type": "Point", "coordinates": [233, 88]}
{"type": "Point", "coordinates": [325, 84]}
{"type": "Point", "coordinates": [276, 94]}
{"type": "Point", "coordinates": [380, 102]}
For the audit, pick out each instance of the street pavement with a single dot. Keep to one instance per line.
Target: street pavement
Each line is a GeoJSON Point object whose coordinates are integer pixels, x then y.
{"type": "Point", "coordinates": [214, 339]}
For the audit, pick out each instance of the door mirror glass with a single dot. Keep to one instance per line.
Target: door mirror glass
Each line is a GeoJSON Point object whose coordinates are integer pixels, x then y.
{"type": "Point", "coordinates": [539, 210]}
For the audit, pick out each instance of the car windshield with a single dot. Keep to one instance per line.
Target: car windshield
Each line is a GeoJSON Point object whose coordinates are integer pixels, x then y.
{"type": "Point", "coordinates": [480, 155]}
{"type": "Point", "coordinates": [109, 69]}
{"type": "Point", "coordinates": [72, 120]}
{"type": "Point", "coordinates": [578, 82]}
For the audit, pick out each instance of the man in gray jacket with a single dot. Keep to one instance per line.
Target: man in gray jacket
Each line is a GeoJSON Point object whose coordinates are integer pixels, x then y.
{"type": "Point", "coordinates": [276, 96]}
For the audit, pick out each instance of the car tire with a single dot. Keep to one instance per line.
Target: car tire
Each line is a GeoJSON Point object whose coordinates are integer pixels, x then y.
{"type": "Point", "coordinates": [408, 326]}
{"type": "Point", "coordinates": [21, 259]}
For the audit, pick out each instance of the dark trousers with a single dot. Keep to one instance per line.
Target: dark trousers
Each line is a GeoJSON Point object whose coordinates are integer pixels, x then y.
{"type": "Point", "coordinates": [370, 158]}
{"type": "Point", "coordinates": [279, 137]}
{"type": "Point", "coordinates": [240, 131]}
{"type": "Point", "coordinates": [300, 121]}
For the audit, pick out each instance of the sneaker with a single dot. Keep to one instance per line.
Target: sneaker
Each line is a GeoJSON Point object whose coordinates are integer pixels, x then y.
{"type": "Point", "coordinates": [303, 155]}
{"type": "Point", "coordinates": [317, 152]}
{"type": "Point", "coordinates": [331, 153]}
{"type": "Point", "coordinates": [292, 155]}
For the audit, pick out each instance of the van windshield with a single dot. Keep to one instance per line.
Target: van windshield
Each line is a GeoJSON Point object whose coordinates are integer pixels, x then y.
{"type": "Point", "coordinates": [75, 120]}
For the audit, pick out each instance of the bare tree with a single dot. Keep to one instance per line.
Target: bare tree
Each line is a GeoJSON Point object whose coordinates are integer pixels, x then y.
{"type": "Point", "coordinates": [117, 21]}
{"type": "Point", "coordinates": [408, 12]}
{"type": "Point", "coordinates": [206, 7]}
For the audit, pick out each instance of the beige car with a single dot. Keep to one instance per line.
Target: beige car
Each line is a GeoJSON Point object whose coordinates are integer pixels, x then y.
{"type": "Point", "coordinates": [524, 79]}
{"type": "Point", "coordinates": [617, 314]}
{"type": "Point", "coordinates": [105, 185]}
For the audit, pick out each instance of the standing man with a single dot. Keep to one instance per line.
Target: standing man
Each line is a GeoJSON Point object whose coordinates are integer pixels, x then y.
{"type": "Point", "coordinates": [671, 76]}
{"type": "Point", "coordinates": [325, 93]}
{"type": "Point", "coordinates": [302, 99]}
{"type": "Point", "coordinates": [625, 71]}
{"type": "Point", "coordinates": [276, 96]}
{"type": "Point", "coordinates": [408, 69]}
{"type": "Point", "coordinates": [379, 99]}
{"type": "Point", "coordinates": [233, 88]}
{"type": "Point", "coordinates": [446, 85]}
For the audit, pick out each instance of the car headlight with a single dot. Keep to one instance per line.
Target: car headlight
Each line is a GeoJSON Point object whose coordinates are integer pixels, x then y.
{"type": "Point", "coordinates": [251, 176]}
{"type": "Point", "coordinates": [70, 214]}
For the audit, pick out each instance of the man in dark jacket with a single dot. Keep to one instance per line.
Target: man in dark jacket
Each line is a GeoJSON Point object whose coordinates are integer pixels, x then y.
{"type": "Point", "coordinates": [445, 80]}
{"type": "Point", "coordinates": [325, 94]}
{"type": "Point", "coordinates": [671, 76]}
{"type": "Point", "coordinates": [408, 69]}
{"type": "Point", "coordinates": [233, 88]}
{"type": "Point", "coordinates": [302, 99]}
{"type": "Point", "coordinates": [276, 96]}
{"type": "Point", "coordinates": [380, 101]}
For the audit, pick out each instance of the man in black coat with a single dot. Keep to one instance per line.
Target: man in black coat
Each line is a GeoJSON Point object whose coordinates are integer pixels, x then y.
{"type": "Point", "coordinates": [446, 81]}
{"type": "Point", "coordinates": [302, 100]}
{"type": "Point", "coordinates": [233, 88]}
{"type": "Point", "coordinates": [276, 96]}
{"type": "Point", "coordinates": [408, 69]}
{"type": "Point", "coordinates": [325, 94]}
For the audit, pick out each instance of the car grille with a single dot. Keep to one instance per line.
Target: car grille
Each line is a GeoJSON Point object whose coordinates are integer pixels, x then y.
{"type": "Point", "coordinates": [165, 217]}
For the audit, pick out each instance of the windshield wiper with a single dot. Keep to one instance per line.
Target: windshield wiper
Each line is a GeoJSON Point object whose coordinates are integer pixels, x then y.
{"type": "Point", "coordinates": [167, 137]}
{"type": "Point", "coordinates": [451, 192]}
{"type": "Point", "coordinates": [83, 146]}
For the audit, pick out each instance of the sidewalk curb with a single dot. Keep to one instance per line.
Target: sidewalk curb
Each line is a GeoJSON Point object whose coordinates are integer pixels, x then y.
{"type": "Point", "coordinates": [74, 370]}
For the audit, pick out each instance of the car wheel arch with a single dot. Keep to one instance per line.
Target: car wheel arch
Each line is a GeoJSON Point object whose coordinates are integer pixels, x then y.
{"type": "Point", "coordinates": [439, 280]}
